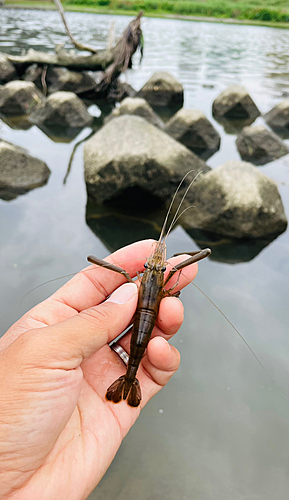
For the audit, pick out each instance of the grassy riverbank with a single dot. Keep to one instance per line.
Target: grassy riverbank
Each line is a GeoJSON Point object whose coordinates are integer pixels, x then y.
{"type": "Point", "coordinates": [260, 12]}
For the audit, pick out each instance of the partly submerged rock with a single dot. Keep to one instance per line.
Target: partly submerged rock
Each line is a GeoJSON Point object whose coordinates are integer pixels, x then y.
{"type": "Point", "coordinates": [119, 91]}
{"type": "Point", "coordinates": [162, 89]}
{"type": "Point", "coordinates": [193, 129]}
{"type": "Point", "coordinates": [71, 81]}
{"type": "Point", "coordinates": [236, 200]}
{"type": "Point", "coordinates": [138, 107]}
{"type": "Point", "coordinates": [129, 157]}
{"type": "Point", "coordinates": [7, 70]}
{"type": "Point", "coordinates": [278, 117]}
{"type": "Point", "coordinates": [63, 110]}
{"type": "Point", "coordinates": [235, 103]}
{"type": "Point", "coordinates": [19, 98]}
{"type": "Point", "coordinates": [19, 172]}
{"type": "Point", "coordinates": [260, 145]}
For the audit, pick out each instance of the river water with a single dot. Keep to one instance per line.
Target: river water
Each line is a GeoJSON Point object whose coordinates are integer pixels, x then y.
{"type": "Point", "coordinates": [219, 430]}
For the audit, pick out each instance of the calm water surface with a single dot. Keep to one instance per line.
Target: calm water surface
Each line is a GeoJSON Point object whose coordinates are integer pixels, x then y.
{"type": "Point", "coordinates": [220, 428]}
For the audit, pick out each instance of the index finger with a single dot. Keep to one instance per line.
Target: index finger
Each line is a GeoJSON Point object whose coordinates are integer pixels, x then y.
{"type": "Point", "coordinates": [94, 284]}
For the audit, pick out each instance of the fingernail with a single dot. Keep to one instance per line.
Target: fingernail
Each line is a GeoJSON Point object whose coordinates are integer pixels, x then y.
{"type": "Point", "coordinates": [123, 294]}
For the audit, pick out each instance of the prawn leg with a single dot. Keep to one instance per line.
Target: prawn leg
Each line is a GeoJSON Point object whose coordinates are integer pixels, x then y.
{"type": "Point", "coordinates": [111, 267]}
{"type": "Point", "coordinates": [195, 257]}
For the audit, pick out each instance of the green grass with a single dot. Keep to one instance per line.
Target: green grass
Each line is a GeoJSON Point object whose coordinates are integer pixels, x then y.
{"type": "Point", "coordinates": [269, 12]}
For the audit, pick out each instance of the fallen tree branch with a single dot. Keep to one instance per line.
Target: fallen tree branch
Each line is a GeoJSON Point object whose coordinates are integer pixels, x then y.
{"type": "Point", "coordinates": [113, 62]}
{"type": "Point", "coordinates": [125, 48]}
{"type": "Point", "coordinates": [79, 46]}
{"type": "Point", "coordinates": [71, 60]}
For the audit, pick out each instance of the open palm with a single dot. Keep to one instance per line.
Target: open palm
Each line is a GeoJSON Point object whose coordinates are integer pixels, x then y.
{"type": "Point", "coordinates": [58, 434]}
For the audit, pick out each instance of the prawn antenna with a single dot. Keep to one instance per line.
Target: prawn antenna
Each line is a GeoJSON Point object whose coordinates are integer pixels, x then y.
{"type": "Point", "coordinates": [46, 282]}
{"type": "Point", "coordinates": [69, 276]}
{"type": "Point", "coordinates": [175, 218]}
{"type": "Point", "coordinates": [171, 204]}
{"type": "Point", "coordinates": [241, 337]}
{"type": "Point", "coordinates": [180, 215]}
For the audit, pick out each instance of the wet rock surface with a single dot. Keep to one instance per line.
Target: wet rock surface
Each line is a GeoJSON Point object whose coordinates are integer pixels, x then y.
{"type": "Point", "coordinates": [7, 70]}
{"type": "Point", "coordinates": [138, 107]}
{"type": "Point", "coordinates": [19, 98]}
{"type": "Point", "coordinates": [236, 200]}
{"type": "Point", "coordinates": [260, 145]}
{"type": "Point", "coordinates": [17, 122]}
{"type": "Point", "coordinates": [162, 89]}
{"type": "Point", "coordinates": [195, 131]}
{"type": "Point", "coordinates": [278, 117]}
{"type": "Point", "coordinates": [63, 110]}
{"type": "Point", "coordinates": [235, 104]}
{"type": "Point", "coordinates": [130, 160]}
{"type": "Point", "coordinates": [19, 171]}
{"type": "Point", "coordinates": [57, 79]}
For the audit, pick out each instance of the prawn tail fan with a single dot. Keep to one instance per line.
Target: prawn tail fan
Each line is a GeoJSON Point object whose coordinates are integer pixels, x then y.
{"type": "Point", "coordinates": [134, 395]}
{"type": "Point", "coordinates": [118, 390]}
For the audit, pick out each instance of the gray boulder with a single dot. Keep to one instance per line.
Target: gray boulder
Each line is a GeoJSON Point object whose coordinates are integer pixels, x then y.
{"type": "Point", "coordinates": [236, 200]}
{"type": "Point", "coordinates": [129, 155]}
{"type": "Point", "coordinates": [138, 107]}
{"type": "Point", "coordinates": [19, 98]}
{"type": "Point", "coordinates": [62, 109]}
{"type": "Point", "coordinates": [260, 145]}
{"type": "Point", "coordinates": [7, 70]}
{"type": "Point", "coordinates": [19, 172]}
{"type": "Point", "coordinates": [278, 117]}
{"type": "Point", "coordinates": [235, 104]}
{"type": "Point", "coordinates": [60, 79]}
{"type": "Point", "coordinates": [193, 129]}
{"type": "Point", "coordinates": [162, 89]}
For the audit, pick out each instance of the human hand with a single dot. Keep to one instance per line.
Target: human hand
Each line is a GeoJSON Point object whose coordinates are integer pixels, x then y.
{"type": "Point", "coordinates": [58, 434]}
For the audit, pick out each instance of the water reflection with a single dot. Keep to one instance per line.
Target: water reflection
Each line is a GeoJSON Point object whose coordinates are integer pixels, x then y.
{"type": "Point", "coordinates": [60, 134]}
{"type": "Point", "coordinates": [233, 127]}
{"type": "Point", "coordinates": [17, 122]}
{"type": "Point", "coordinates": [117, 228]}
{"type": "Point", "coordinates": [230, 250]}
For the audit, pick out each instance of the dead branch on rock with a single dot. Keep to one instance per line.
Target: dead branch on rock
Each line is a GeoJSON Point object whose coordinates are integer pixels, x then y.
{"type": "Point", "coordinates": [125, 48]}
{"type": "Point", "coordinates": [114, 61]}
{"type": "Point", "coordinates": [70, 60]}
{"type": "Point", "coordinates": [78, 45]}
{"type": "Point", "coordinates": [43, 79]}
{"type": "Point", "coordinates": [73, 154]}
{"type": "Point", "coordinates": [111, 36]}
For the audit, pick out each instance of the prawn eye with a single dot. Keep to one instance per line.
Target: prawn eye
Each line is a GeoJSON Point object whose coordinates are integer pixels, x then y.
{"type": "Point", "coordinates": [145, 265]}
{"type": "Point", "coordinates": [163, 269]}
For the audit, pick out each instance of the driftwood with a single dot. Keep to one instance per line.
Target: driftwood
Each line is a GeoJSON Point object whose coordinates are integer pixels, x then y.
{"type": "Point", "coordinates": [70, 60]}
{"type": "Point", "coordinates": [112, 61]}
{"type": "Point", "coordinates": [78, 45]}
{"type": "Point", "coordinates": [123, 51]}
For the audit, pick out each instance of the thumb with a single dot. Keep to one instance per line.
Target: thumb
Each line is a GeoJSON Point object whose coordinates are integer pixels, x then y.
{"type": "Point", "coordinates": [66, 344]}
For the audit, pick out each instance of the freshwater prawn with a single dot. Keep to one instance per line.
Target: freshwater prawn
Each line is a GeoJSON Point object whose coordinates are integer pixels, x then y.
{"type": "Point", "coordinates": [151, 291]}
